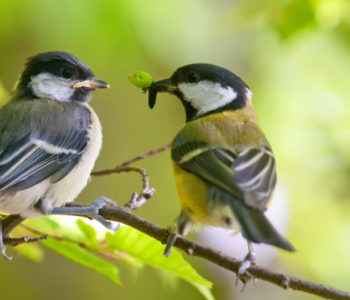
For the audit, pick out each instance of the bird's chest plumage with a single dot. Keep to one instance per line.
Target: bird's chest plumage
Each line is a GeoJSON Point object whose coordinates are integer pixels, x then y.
{"type": "Point", "coordinates": [53, 194]}
{"type": "Point", "coordinates": [67, 189]}
{"type": "Point", "coordinates": [192, 194]}
{"type": "Point", "coordinates": [224, 131]}
{"type": "Point", "coordinates": [196, 201]}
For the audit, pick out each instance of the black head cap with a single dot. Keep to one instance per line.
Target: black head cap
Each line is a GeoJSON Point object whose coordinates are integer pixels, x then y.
{"type": "Point", "coordinates": [196, 73]}
{"type": "Point", "coordinates": [60, 64]}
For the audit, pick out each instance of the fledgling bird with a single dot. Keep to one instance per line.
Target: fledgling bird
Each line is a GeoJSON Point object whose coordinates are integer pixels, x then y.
{"type": "Point", "coordinates": [49, 139]}
{"type": "Point", "coordinates": [224, 166]}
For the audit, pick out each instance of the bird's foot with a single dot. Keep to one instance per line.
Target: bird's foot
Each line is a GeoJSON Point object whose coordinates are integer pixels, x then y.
{"type": "Point", "coordinates": [2, 245]}
{"type": "Point", "coordinates": [103, 202]}
{"type": "Point", "coordinates": [249, 260]}
{"type": "Point", "coordinates": [89, 211]}
{"type": "Point", "coordinates": [99, 204]}
{"type": "Point", "coordinates": [170, 242]}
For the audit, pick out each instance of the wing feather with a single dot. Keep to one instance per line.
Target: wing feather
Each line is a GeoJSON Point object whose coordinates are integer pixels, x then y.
{"type": "Point", "coordinates": [40, 145]}
{"type": "Point", "coordinates": [248, 175]}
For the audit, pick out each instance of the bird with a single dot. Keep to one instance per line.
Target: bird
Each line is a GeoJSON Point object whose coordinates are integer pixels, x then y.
{"type": "Point", "coordinates": [50, 138]}
{"type": "Point", "coordinates": [224, 167]}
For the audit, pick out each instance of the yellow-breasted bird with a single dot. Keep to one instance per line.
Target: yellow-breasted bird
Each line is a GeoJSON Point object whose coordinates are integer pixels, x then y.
{"type": "Point", "coordinates": [224, 166]}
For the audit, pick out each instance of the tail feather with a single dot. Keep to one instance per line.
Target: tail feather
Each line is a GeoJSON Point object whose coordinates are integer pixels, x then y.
{"type": "Point", "coordinates": [257, 228]}
{"type": "Point", "coordinates": [254, 224]}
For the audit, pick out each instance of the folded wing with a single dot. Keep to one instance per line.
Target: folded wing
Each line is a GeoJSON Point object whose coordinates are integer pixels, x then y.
{"type": "Point", "coordinates": [42, 148]}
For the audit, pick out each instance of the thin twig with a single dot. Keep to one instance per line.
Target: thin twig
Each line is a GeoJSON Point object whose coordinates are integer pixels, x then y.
{"type": "Point", "coordinates": [143, 156]}
{"type": "Point", "coordinates": [136, 200]}
{"type": "Point", "coordinates": [26, 239]}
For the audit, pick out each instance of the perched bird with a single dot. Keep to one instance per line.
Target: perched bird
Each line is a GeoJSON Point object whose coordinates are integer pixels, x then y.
{"type": "Point", "coordinates": [224, 166]}
{"type": "Point", "coordinates": [49, 139]}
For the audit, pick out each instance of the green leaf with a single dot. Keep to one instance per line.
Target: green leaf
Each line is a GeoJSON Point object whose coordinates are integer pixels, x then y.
{"type": "Point", "coordinates": [126, 244]}
{"type": "Point", "coordinates": [82, 256]}
{"type": "Point", "coordinates": [66, 227]}
{"type": "Point", "coordinates": [88, 231]}
{"type": "Point", "coordinates": [169, 280]}
{"type": "Point", "coordinates": [46, 225]}
{"type": "Point", "coordinates": [206, 293]}
{"type": "Point", "coordinates": [150, 252]}
{"type": "Point", "coordinates": [32, 251]}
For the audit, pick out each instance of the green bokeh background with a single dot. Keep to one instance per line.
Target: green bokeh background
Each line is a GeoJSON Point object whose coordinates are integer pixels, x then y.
{"type": "Point", "coordinates": [295, 56]}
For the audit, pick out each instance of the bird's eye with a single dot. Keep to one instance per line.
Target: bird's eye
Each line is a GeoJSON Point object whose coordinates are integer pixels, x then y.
{"type": "Point", "coordinates": [193, 77]}
{"type": "Point", "coordinates": [67, 73]}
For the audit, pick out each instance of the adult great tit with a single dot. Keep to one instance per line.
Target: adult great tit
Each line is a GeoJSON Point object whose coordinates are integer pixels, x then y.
{"type": "Point", "coordinates": [49, 139]}
{"type": "Point", "coordinates": [224, 166]}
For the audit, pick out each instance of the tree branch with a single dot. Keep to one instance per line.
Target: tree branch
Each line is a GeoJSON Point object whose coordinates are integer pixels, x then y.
{"type": "Point", "coordinates": [9, 223]}
{"type": "Point", "coordinates": [195, 249]}
{"type": "Point", "coordinates": [285, 281]}
{"type": "Point", "coordinates": [123, 214]}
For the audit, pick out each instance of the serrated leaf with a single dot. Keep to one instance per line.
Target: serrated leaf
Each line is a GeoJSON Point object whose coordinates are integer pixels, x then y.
{"type": "Point", "coordinates": [150, 251]}
{"type": "Point", "coordinates": [84, 257]}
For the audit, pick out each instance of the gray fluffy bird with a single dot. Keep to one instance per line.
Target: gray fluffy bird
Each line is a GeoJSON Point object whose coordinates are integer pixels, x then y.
{"type": "Point", "coordinates": [50, 139]}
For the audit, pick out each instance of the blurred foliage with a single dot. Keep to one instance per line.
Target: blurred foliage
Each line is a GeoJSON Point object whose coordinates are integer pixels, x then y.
{"type": "Point", "coordinates": [295, 56]}
{"type": "Point", "coordinates": [90, 244]}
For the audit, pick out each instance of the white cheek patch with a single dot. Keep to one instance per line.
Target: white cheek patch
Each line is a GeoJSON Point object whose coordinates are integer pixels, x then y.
{"type": "Point", "coordinates": [46, 85]}
{"type": "Point", "coordinates": [206, 95]}
{"type": "Point", "coordinates": [248, 94]}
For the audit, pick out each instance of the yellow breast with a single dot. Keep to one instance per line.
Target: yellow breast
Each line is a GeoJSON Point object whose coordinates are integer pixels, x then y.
{"type": "Point", "coordinates": [192, 193]}
{"type": "Point", "coordinates": [228, 130]}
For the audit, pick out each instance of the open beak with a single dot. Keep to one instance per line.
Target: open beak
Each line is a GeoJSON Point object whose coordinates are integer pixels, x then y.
{"type": "Point", "coordinates": [93, 84]}
{"type": "Point", "coordinates": [159, 86]}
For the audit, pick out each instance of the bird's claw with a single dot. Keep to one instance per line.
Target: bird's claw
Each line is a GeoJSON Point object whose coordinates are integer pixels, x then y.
{"type": "Point", "coordinates": [249, 260]}
{"type": "Point", "coordinates": [172, 237]}
{"type": "Point", "coordinates": [103, 202]}
{"type": "Point", "coordinates": [99, 204]}
{"type": "Point", "coordinates": [3, 253]}
{"type": "Point", "coordinates": [2, 245]}
{"type": "Point", "coordinates": [108, 224]}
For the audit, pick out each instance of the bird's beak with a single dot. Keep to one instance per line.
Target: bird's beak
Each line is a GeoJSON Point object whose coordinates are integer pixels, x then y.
{"type": "Point", "coordinates": [93, 84]}
{"type": "Point", "coordinates": [165, 85]}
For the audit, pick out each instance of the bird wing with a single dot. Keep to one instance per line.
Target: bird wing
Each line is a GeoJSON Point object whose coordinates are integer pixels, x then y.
{"type": "Point", "coordinates": [249, 174]}
{"type": "Point", "coordinates": [43, 140]}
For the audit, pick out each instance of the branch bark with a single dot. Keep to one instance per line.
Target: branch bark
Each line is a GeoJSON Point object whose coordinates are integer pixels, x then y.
{"type": "Point", "coordinates": [9, 223]}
